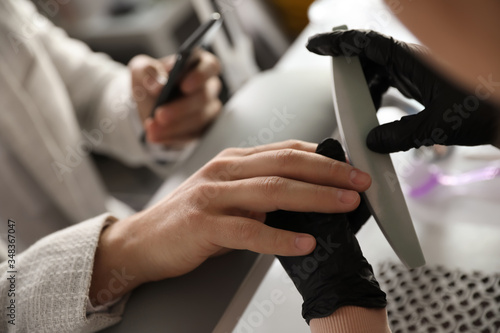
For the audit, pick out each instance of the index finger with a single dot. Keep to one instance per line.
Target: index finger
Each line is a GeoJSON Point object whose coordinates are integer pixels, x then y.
{"type": "Point", "coordinates": [247, 234]}
{"type": "Point", "coordinates": [299, 165]}
{"type": "Point", "coordinates": [208, 66]}
{"type": "Point", "coordinates": [288, 144]}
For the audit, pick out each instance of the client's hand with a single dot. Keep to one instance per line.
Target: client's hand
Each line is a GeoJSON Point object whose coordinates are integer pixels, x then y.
{"type": "Point", "coordinates": [223, 206]}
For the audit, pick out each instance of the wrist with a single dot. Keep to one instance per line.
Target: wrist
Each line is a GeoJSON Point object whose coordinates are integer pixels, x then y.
{"type": "Point", "coordinates": [352, 319]}
{"type": "Point", "coordinates": [116, 261]}
{"type": "Point", "coordinates": [359, 290]}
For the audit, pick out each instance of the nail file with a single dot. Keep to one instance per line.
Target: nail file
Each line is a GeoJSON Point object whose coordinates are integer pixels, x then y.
{"type": "Point", "coordinates": [356, 116]}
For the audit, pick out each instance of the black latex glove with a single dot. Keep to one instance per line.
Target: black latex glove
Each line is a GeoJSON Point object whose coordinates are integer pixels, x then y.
{"type": "Point", "coordinates": [451, 116]}
{"type": "Point", "coordinates": [335, 274]}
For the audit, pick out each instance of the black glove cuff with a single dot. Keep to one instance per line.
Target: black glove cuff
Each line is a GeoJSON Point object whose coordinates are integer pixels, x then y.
{"type": "Point", "coordinates": [361, 289]}
{"type": "Point", "coordinates": [336, 273]}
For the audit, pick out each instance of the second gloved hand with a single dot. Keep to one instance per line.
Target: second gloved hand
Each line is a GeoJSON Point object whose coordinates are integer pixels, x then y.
{"type": "Point", "coordinates": [451, 116]}
{"type": "Point", "coordinates": [335, 274]}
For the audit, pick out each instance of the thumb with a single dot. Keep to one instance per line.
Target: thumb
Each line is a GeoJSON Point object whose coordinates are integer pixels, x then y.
{"type": "Point", "coordinates": [411, 131]}
{"type": "Point", "coordinates": [337, 43]}
{"type": "Point", "coordinates": [148, 74]}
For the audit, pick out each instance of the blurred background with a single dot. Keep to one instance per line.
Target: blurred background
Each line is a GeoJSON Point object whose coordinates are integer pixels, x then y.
{"type": "Point", "coordinates": [255, 35]}
{"type": "Point", "coordinates": [124, 28]}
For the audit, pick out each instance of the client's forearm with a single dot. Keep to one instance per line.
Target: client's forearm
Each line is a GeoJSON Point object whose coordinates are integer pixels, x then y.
{"type": "Point", "coordinates": [352, 319]}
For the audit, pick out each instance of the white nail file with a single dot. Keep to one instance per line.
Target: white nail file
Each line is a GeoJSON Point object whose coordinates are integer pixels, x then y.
{"type": "Point", "coordinates": [356, 117]}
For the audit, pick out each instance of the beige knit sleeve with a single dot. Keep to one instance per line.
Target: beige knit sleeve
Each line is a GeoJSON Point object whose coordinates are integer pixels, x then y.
{"type": "Point", "coordinates": [51, 284]}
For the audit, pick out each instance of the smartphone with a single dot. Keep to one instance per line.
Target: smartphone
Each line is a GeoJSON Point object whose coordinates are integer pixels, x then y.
{"type": "Point", "coordinates": [187, 58]}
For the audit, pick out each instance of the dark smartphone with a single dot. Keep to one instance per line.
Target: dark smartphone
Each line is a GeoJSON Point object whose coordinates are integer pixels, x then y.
{"type": "Point", "coordinates": [186, 59]}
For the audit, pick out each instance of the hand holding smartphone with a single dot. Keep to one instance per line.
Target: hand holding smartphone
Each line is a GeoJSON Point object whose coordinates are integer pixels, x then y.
{"type": "Point", "coordinates": [186, 59]}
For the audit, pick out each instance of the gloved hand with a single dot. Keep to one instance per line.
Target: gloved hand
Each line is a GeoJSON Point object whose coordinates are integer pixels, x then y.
{"type": "Point", "coordinates": [451, 116]}
{"type": "Point", "coordinates": [335, 274]}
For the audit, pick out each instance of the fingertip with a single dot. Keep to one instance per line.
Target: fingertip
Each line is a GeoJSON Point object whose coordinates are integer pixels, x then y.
{"type": "Point", "coordinates": [393, 137]}
{"type": "Point", "coordinates": [360, 179]}
{"type": "Point", "coordinates": [349, 198]}
{"type": "Point", "coordinates": [207, 67]}
{"type": "Point", "coordinates": [148, 122]}
{"type": "Point", "coordinates": [168, 62]}
{"type": "Point", "coordinates": [150, 128]}
{"type": "Point", "coordinates": [315, 44]}
{"type": "Point", "coordinates": [311, 41]}
{"type": "Point", "coordinates": [375, 142]}
{"type": "Point", "coordinates": [163, 115]}
{"type": "Point", "coordinates": [305, 243]}
{"type": "Point", "coordinates": [211, 62]}
{"type": "Point", "coordinates": [324, 43]}
{"type": "Point", "coordinates": [153, 87]}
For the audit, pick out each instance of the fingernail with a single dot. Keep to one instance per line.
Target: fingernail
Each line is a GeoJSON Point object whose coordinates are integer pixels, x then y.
{"type": "Point", "coordinates": [164, 115]}
{"type": "Point", "coordinates": [359, 177]}
{"type": "Point", "coordinates": [162, 78]}
{"type": "Point", "coordinates": [304, 242]}
{"type": "Point", "coordinates": [348, 197]}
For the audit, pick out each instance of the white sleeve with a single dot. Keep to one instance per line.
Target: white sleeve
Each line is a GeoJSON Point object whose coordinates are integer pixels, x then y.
{"type": "Point", "coordinates": [99, 89]}
{"type": "Point", "coordinates": [51, 285]}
